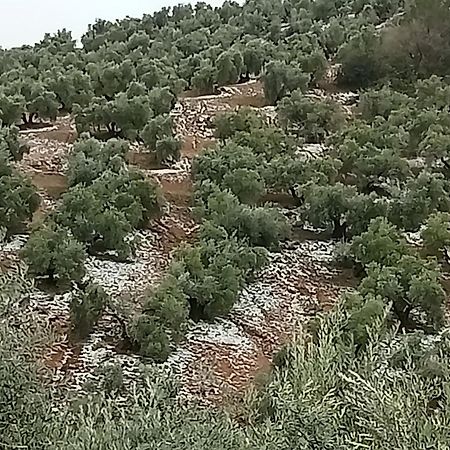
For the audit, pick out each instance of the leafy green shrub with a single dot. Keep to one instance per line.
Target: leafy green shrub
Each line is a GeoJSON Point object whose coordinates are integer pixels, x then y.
{"type": "Point", "coordinates": [90, 158]}
{"type": "Point", "coordinates": [260, 225]}
{"type": "Point", "coordinates": [131, 193]}
{"type": "Point", "coordinates": [18, 198]}
{"type": "Point", "coordinates": [279, 79]}
{"type": "Point", "coordinates": [229, 124]}
{"type": "Point", "coordinates": [101, 226]}
{"type": "Point", "coordinates": [212, 273]}
{"type": "Point", "coordinates": [162, 319]}
{"type": "Point", "coordinates": [365, 314]}
{"type": "Point", "coordinates": [381, 102]}
{"type": "Point", "coordinates": [413, 288]}
{"type": "Point", "coordinates": [247, 185]}
{"type": "Point", "coordinates": [436, 234]}
{"type": "Point", "coordinates": [158, 136]}
{"type": "Point", "coordinates": [25, 403]}
{"type": "Point", "coordinates": [418, 199]}
{"type": "Point", "coordinates": [328, 206]}
{"type": "Point", "coordinates": [381, 244]}
{"type": "Point", "coordinates": [150, 338]}
{"type": "Point", "coordinates": [215, 163]}
{"type": "Point", "coordinates": [86, 307]}
{"type": "Point", "coordinates": [364, 209]}
{"type": "Point", "coordinates": [11, 108]}
{"type": "Point", "coordinates": [52, 251]}
{"type": "Point", "coordinates": [310, 119]}
{"type": "Point", "coordinates": [11, 144]}
{"type": "Point", "coordinates": [360, 59]}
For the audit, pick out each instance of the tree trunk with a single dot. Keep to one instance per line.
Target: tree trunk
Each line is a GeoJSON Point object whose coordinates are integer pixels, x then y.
{"type": "Point", "coordinates": [403, 316]}
{"type": "Point", "coordinates": [340, 229]}
{"type": "Point", "coordinates": [299, 199]}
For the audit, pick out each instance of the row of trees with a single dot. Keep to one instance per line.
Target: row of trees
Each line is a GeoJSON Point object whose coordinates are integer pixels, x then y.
{"type": "Point", "coordinates": [199, 48]}
{"type": "Point", "coordinates": [105, 202]}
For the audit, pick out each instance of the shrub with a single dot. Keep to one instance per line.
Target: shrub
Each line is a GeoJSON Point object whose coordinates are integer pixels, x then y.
{"type": "Point", "coordinates": [328, 206]}
{"type": "Point", "coordinates": [310, 119]}
{"type": "Point", "coordinates": [52, 251]}
{"type": "Point", "coordinates": [260, 225]}
{"type": "Point", "coordinates": [90, 158]}
{"type": "Point", "coordinates": [162, 319]}
{"type": "Point", "coordinates": [436, 234]}
{"type": "Point", "coordinates": [11, 144]}
{"type": "Point", "coordinates": [18, 198]}
{"type": "Point", "coordinates": [229, 124]}
{"type": "Point", "coordinates": [413, 288]}
{"type": "Point", "coordinates": [92, 221]}
{"type": "Point", "coordinates": [212, 273]}
{"type": "Point", "coordinates": [86, 307]}
{"type": "Point", "coordinates": [381, 244]}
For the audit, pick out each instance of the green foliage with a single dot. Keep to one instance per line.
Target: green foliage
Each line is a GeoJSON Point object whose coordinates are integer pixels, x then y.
{"type": "Point", "coordinates": [388, 408]}
{"type": "Point", "coordinates": [18, 198]}
{"type": "Point", "coordinates": [419, 198]}
{"type": "Point", "coordinates": [247, 185]}
{"type": "Point", "coordinates": [11, 108]}
{"type": "Point", "coordinates": [168, 149]}
{"type": "Point", "coordinates": [214, 163]}
{"type": "Point", "coordinates": [161, 100]}
{"type": "Point", "coordinates": [381, 102]}
{"type": "Point", "coordinates": [11, 144]}
{"type": "Point", "coordinates": [162, 319]}
{"type": "Point", "coordinates": [90, 158]}
{"type": "Point", "coordinates": [360, 59]}
{"type": "Point", "coordinates": [227, 125]}
{"type": "Point", "coordinates": [413, 288]}
{"type": "Point", "coordinates": [86, 307]}
{"type": "Point", "coordinates": [381, 244]}
{"type": "Point", "coordinates": [365, 315]}
{"type": "Point", "coordinates": [157, 135]}
{"type": "Point", "coordinates": [93, 221]}
{"type": "Point", "coordinates": [280, 79]}
{"type": "Point", "coordinates": [25, 405]}
{"type": "Point", "coordinates": [212, 273]}
{"type": "Point", "coordinates": [260, 225]}
{"type": "Point", "coordinates": [51, 251]}
{"type": "Point", "coordinates": [328, 206]}
{"type": "Point", "coordinates": [436, 234]}
{"type": "Point", "coordinates": [310, 119]}
{"type": "Point", "coordinates": [204, 79]}
{"type": "Point", "coordinates": [230, 65]}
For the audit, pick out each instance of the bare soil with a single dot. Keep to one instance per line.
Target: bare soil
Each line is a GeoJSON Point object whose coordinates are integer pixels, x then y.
{"type": "Point", "coordinates": [54, 184]}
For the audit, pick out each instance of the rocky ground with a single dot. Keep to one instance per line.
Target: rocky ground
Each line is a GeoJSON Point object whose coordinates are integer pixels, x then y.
{"type": "Point", "coordinates": [216, 360]}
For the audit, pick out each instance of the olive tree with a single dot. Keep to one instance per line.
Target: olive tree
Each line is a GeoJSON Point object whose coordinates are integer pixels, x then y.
{"type": "Point", "coordinates": [52, 251]}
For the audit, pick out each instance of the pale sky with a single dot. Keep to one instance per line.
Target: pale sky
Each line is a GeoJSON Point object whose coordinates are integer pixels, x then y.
{"type": "Point", "coordinates": [26, 21]}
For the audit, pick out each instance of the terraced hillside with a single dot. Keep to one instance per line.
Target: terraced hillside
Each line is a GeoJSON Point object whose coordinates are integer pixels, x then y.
{"type": "Point", "coordinates": [228, 228]}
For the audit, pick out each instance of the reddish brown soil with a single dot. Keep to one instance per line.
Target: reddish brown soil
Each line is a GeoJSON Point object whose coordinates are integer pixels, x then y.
{"type": "Point", "coordinates": [142, 160]}
{"type": "Point", "coordinates": [177, 192]}
{"type": "Point", "coordinates": [64, 134]}
{"type": "Point", "coordinates": [54, 184]}
{"type": "Point", "coordinates": [193, 145]}
{"type": "Point", "coordinates": [255, 101]}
